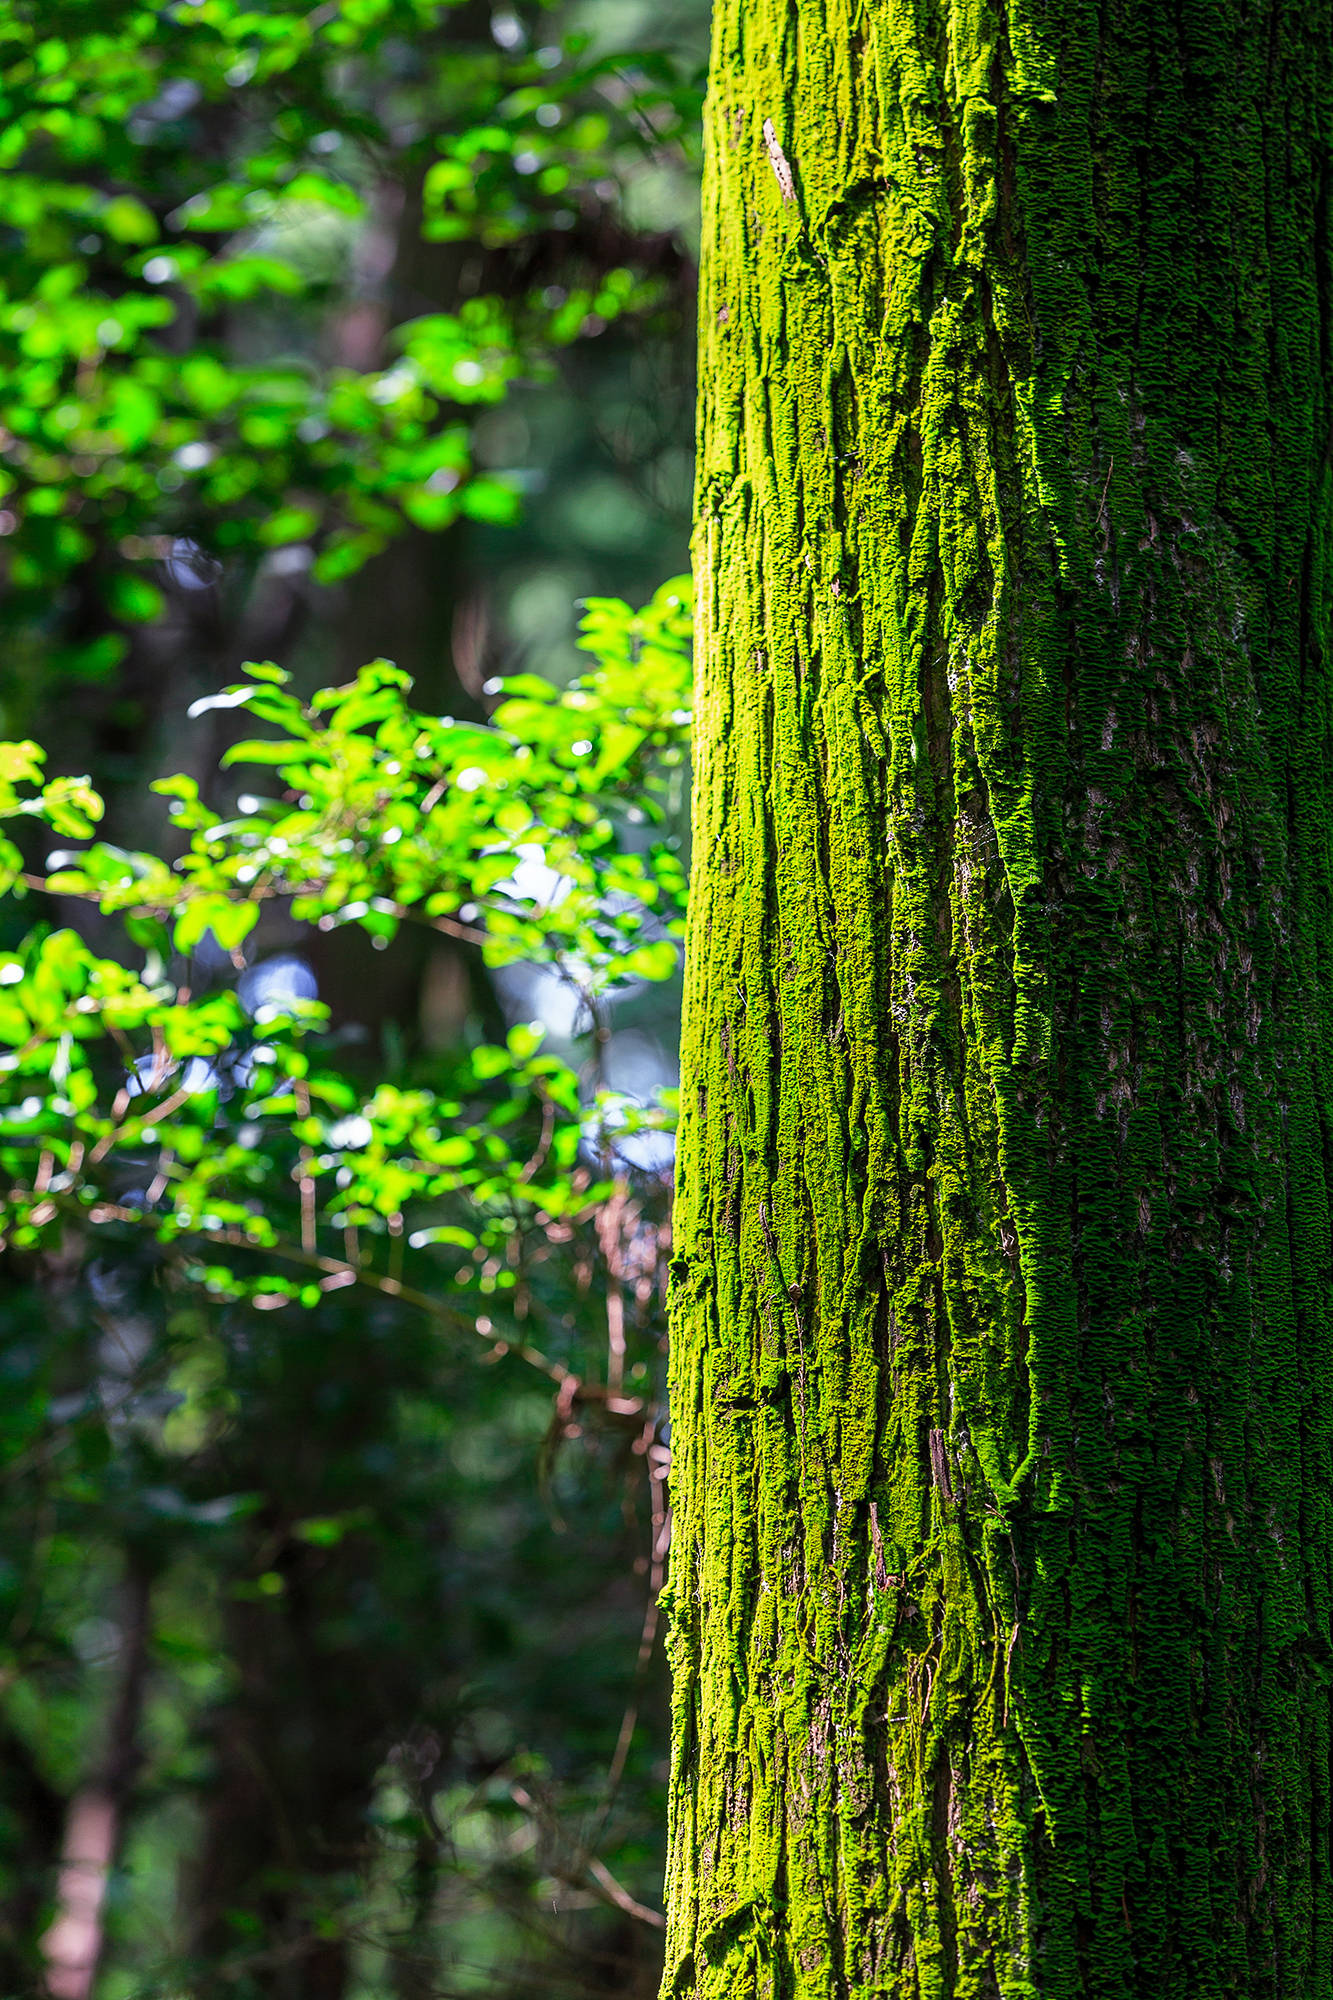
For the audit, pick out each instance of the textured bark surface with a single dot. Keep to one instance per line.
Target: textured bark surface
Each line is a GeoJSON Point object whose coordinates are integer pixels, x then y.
{"type": "Point", "coordinates": [1000, 1602]}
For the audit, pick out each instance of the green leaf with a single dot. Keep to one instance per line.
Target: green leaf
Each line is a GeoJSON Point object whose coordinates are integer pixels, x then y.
{"type": "Point", "coordinates": [230, 922]}
{"type": "Point", "coordinates": [262, 750]}
{"type": "Point", "coordinates": [489, 500]}
{"type": "Point", "coordinates": [126, 220]}
{"type": "Point", "coordinates": [651, 961]}
{"type": "Point", "coordinates": [133, 598]}
{"type": "Point", "coordinates": [524, 1040]}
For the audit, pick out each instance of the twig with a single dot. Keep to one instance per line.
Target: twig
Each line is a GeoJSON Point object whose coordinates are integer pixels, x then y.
{"type": "Point", "coordinates": [610, 1217]}
{"type": "Point", "coordinates": [585, 1867]}
{"type": "Point", "coordinates": [1101, 510]}
{"type": "Point", "coordinates": [622, 1899]}
{"type": "Point", "coordinates": [288, 1253]}
{"type": "Point", "coordinates": [538, 1160]}
{"type": "Point", "coordinates": [304, 1178]}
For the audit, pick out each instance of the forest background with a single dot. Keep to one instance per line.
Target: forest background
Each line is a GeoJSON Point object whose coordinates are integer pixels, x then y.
{"type": "Point", "coordinates": [335, 1149]}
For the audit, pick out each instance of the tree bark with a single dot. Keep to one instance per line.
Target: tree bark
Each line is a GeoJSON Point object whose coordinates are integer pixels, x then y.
{"type": "Point", "coordinates": [1000, 1597]}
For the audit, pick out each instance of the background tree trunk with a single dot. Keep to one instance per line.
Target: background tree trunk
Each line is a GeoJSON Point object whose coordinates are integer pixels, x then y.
{"type": "Point", "coordinates": [95, 1824]}
{"type": "Point", "coordinates": [1000, 1591]}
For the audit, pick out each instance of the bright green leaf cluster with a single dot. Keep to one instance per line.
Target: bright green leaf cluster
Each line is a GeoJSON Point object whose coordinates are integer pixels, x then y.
{"type": "Point", "coordinates": [132, 1100]}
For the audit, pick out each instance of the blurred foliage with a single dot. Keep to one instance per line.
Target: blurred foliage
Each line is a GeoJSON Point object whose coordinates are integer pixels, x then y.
{"type": "Point", "coordinates": [209, 1122]}
{"type": "Point", "coordinates": [188, 188]}
{"type": "Point", "coordinates": [514, 835]}
{"type": "Point", "coordinates": [335, 1167]}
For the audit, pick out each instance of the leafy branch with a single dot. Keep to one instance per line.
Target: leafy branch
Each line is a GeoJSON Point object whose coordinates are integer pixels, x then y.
{"type": "Point", "coordinates": [140, 1098]}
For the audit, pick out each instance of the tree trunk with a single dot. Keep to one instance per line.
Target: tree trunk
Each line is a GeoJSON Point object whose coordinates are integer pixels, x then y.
{"type": "Point", "coordinates": [1000, 1598]}
{"type": "Point", "coordinates": [75, 1943]}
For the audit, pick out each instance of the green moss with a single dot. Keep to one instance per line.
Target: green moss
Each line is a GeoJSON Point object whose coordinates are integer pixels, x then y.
{"type": "Point", "coordinates": [1000, 1595]}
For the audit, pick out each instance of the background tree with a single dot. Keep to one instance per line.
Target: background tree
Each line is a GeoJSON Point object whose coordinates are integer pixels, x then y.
{"type": "Point", "coordinates": [1000, 1586]}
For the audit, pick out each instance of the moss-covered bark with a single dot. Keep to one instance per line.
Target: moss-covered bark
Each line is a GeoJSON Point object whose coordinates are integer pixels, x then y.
{"type": "Point", "coordinates": [1000, 1599]}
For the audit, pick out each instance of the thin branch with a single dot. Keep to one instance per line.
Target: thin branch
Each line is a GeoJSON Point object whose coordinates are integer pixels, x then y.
{"type": "Point", "coordinates": [346, 1274]}
{"type": "Point", "coordinates": [622, 1899]}
{"type": "Point", "coordinates": [587, 1867]}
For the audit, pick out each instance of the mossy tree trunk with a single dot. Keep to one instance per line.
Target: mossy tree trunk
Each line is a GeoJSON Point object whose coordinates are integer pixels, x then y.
{"type": "Point", "coordinates": [1000, 1601]}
